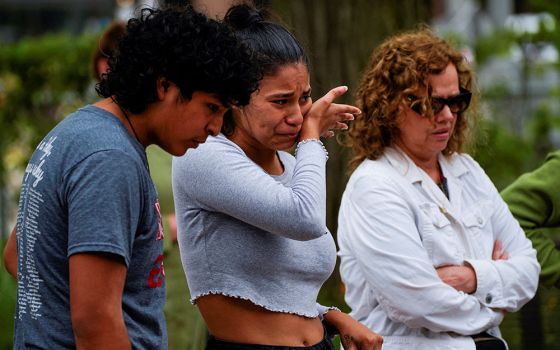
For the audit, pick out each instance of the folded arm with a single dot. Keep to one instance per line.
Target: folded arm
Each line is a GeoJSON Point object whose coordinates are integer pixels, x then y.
{"type": "Point", "coordinates": [506, 283]}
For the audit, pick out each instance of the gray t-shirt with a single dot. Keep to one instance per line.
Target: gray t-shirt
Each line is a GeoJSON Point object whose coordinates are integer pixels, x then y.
{"type": "Point", "coordinates": [87, 189]}
{"type": "Point", "coordinates": [246, 234]}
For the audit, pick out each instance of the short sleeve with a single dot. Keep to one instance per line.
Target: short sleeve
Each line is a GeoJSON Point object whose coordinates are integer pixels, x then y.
{"type": "Point", "coordinates": [104, 197]}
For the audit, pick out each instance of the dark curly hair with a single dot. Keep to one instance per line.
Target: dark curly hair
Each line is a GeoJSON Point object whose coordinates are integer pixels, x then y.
{"type": "Point", "coordinates": [399, 67]}
{"type": "Point", "coordinates": [184, 47]}
{"type": "Point", "coordinates": [271, 43]}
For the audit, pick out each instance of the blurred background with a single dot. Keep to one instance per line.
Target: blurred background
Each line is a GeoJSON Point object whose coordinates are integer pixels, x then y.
{"type": "Point", "coordinates": [45, 73]}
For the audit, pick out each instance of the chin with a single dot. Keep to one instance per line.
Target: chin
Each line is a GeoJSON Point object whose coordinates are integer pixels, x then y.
{"type": "Point", "coordinates": [284, 146]}
{"type": "Point", "coordinates": [178, 152]}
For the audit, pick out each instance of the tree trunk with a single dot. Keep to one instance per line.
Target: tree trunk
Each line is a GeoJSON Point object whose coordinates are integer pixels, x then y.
{"type": "Point", "coordinates": [339, 37]}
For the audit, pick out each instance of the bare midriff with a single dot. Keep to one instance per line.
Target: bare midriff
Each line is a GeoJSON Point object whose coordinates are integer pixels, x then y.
{"type": "Point", "coordinates": [240, 321]}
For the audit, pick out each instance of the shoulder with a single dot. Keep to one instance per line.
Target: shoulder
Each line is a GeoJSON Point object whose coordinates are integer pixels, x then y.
{"type": "Point", "coordinates": [467, 170]}
{"type": "Point", "coordinates": [553, 159]}
{"type": "Point", "coordinates": [461, 163]}
{"type": "Point", "coordinates": [109, 165]}
{"type": "Point", "coordinates": [91, 129]}
{"type": "Point", "coordinates": [215, 151]}
{"type": "Point", "coordinates": [379, 169]}
{"type": "Point", "coordinates": [374, 174]}
{"type": "Point", "coordinates": [212, 159]}
{"type": "Point", "coordinates": [288, 160]}
{"type": "Point", "coordinates": [545, 176]}
{"type": "Point", "coordinates": [89, 138]}
{"type": "Point", "coordinates": [461, 159]}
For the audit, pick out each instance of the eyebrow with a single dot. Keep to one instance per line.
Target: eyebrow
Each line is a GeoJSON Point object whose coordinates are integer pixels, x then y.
{"type": "Point", "coordinates": [282, 94]}
{"type": "Point", "coordinates": [448, 96]}
{"type": "Point", "coordinates": [218, 101]}
{"type": "Point", "coordinates": [287, 94]}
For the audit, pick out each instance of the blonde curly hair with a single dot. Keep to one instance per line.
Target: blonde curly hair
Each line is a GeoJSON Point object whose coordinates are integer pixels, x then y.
{"type": "Point", "coordinates": [398, 68]}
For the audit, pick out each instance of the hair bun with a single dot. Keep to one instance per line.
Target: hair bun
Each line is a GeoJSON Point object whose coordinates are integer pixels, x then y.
{"type": "Point", "coordinates": [243, 16]}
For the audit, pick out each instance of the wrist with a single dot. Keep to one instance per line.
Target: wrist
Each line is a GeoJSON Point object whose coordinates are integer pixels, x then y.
{"type": "Point", "coordinates": [331, 320]}
{"type": "Point", "coordinates": [470, 278]}
{"type": "Point", "coordinates": [311, 129]}
{"type": "Point", "coordinates": [319, 142]}
{"type": "Point", "coordinates": [308, 135]}
{"type": "Point", "coordinates": [332, 310]}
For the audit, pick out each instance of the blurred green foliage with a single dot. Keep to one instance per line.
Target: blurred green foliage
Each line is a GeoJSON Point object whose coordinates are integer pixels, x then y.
{"type": "Point", "coordinates": [41, 79]}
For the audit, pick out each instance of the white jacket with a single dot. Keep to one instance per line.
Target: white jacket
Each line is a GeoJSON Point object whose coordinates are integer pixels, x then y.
{"type": "Point", "coordinates": [396, 226]}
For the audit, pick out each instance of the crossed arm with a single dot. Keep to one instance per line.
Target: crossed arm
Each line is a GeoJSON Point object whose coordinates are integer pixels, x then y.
{"type": "Point", "coordinates": [463, 277]}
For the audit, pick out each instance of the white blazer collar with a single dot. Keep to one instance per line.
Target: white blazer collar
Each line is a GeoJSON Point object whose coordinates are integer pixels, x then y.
{"type": "Point", "coordinates": [452, 168]}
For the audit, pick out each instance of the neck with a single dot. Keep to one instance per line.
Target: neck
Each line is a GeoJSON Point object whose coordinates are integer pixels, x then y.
{"type": "Point", "coordinates": [264, 157]}
{"type": "Point", "coordinates": [126, 118]}
{"type": "Point", "coordinates": [430, 165]}
{"type": "Point", "coordinates": [431, 168]}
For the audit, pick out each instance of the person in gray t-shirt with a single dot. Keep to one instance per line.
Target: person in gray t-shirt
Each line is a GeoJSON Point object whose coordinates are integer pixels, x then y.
{"type": "Point", "coordinates": [251, 217]}
{"type": "Point", "coordinates": [88, 243]}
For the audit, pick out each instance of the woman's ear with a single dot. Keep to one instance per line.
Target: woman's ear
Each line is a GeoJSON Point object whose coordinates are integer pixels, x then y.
{"type": "Point", "coordinates": [238, 111]}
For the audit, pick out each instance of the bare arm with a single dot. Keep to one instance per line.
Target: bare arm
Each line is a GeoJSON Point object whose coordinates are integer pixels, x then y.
{"type": "Point", "coordinates": [353, 334]}
{"type": "Point", "coordinates": [96, 287]}
{"type": "Point", "coordinates": [10, 254]}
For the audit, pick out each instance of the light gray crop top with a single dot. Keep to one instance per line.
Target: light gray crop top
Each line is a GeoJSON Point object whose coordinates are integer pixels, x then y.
{"type": "Point", "coordinates": [244, 233]}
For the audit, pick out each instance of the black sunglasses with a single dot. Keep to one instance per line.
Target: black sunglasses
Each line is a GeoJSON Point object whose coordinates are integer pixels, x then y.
{"type": "Point", "coordinates": [457, 104]}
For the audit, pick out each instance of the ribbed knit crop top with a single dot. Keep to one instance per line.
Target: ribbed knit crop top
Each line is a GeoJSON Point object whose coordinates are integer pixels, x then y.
{"type": "Point", "coordinates": [246, 234]}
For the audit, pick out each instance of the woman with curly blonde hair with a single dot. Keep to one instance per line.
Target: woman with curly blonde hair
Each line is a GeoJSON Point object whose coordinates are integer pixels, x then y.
{"type": "Point", "coordinates": [430, 255]}
{"type": "Point", "coordinates": [398, 69]}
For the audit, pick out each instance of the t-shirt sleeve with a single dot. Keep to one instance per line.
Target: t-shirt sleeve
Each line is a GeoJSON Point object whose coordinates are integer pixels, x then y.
{"type": "Point", "coordinates": [104, 198]}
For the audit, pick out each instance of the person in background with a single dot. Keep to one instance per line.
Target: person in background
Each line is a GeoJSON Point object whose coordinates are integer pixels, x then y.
{"type": "Point", "coordinates": [251, 217]}
{"type": "Point", "coordinates": [106, 48]}
{"type": "Point", "coordinates": [185, 327]}
{"type": "Point", "coordinates": [431, 257]}
{"type": "Point", "coordinates": [88, 243]}
{"type": "Point", "coordinates": [534, 200]}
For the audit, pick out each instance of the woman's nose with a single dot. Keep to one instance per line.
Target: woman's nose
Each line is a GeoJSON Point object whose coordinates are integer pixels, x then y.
{"type": "Point", "coordinates": [215, 125]}
{"type": "Point", "coordinates": [295, 117]}
{"type": "Point", "coordinates": [444, 115]}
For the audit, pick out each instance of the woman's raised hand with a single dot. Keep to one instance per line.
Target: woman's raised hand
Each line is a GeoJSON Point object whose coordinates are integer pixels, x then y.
{"type": "Point", "coordinates": [324, 116]}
